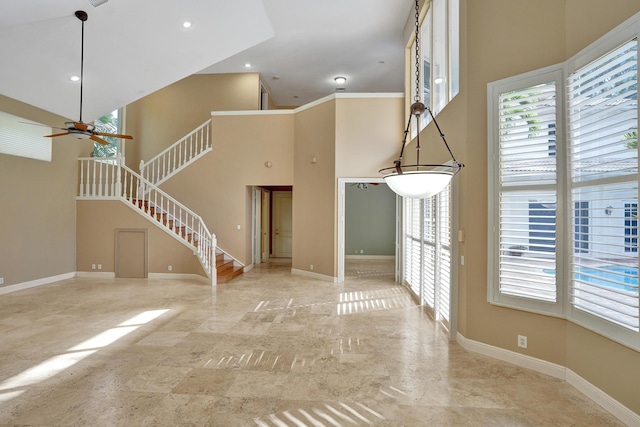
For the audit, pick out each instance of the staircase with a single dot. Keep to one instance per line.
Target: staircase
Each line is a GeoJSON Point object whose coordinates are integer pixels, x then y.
{"type": "Point", "coordinates": [110, 179]}
{"type": "Point", "coordinates": [178, 156]}
{"type": "Point", "coordinates": [227, 268]}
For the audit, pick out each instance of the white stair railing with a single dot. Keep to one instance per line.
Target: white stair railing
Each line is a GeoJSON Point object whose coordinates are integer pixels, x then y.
{"type": "Point", "coordinates": [108, 178]}
{"type": "Point", "coordinates": [178, 156]}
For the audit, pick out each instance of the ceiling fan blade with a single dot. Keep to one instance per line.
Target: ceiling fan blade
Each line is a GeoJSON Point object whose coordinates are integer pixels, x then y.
{"type": "Point", "coordinates": [114, 135]}
{"type": "Point", "coordinates": [98, 140]}
{"type": "Point", "coordinates": [55, 134]}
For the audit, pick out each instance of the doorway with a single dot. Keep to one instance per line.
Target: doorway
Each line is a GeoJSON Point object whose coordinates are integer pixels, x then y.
{"type": "Point", "coordinates": [342, 185]}
{"type": "Point", "coordinates": [272, 235]}
{"type": "Point", "coordinates": [131, 253]}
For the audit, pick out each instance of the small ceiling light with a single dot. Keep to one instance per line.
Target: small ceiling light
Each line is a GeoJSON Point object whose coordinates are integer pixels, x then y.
{"type": "Point", "coordinates": [247, 65]}
{"type": "Point", "coordinates": [186, 24]}
{"type": "Point", "coordinates": [438, 80]}
{"type": "Point", "coordinates": [74, 78]}
{"type": "Point", "coordinates": [340, 80]}
{"type": "Point", "coordinates": [420, 181]}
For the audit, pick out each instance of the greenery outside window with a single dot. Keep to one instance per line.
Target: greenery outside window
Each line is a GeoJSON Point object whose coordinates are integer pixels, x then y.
{"type": "Point", "coordinates": [109, 123]}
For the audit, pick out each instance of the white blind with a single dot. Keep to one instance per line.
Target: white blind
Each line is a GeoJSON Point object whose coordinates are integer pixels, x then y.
{"type": "Point", "coordinates": [429, 253]}
{"type": "Point", "coordinates": [427, 249]}
{"type": "Point", "coordinates": [603, 164]}
{"type": "Point", "coordinates": [527, 192]}
{"type": "Point", "coordinates": [444, 251]}
{"type": "Point", "coordinates": [18, 138]}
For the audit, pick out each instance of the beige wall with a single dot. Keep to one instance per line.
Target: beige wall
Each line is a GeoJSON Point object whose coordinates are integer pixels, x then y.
{"type": "Point", "coordinates": [163, 117]}
{"type": "Point", "coordinates": [489, 55]}
{"type": "Point", "coordinates": [368, 135]}
{"type": "Point", "coordinates": [97, 222]}
{"type": "Point", "coordinates": [218, 185]}
{"type": "Point", "coordinates": [314, 200]}
{"type": "Point", "coordinates": [37, 226]}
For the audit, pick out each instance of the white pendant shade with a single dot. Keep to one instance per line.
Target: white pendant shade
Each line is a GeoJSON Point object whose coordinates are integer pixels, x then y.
{"type": "Point", "coordinates": [418, 184]}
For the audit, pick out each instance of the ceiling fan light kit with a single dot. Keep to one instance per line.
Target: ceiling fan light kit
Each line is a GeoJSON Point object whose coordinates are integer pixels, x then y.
{"type": "Point", "coordinates": [80, 129]}
{"type": "Point", "coordinates": [420, 181]}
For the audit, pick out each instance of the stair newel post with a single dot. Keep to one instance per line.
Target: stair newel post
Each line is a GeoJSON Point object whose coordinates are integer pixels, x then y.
{"type": "Point", "coordinates": [142, 171]}
{"type": "Point", "coordinates": [81, 189]}
{"type": "Point", "coordinates": [93, 187]}
{"type": "Point", "coordinates": [119, 176]}
{"type": "Point", "coordinates": [207, 134]}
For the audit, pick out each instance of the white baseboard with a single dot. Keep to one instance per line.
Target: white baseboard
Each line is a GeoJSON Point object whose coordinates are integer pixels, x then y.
{"type": "Point", "coordinates": [178, 276]}
{"type": "Point", "coordinates": [34, 283]}
{"type": "Point", "coordinates": [247, 268]}
{"type": "Point", "coordinates": [522, 360]}
{"type": "Point", "coordinates": [614, 407]}
{"type": "Point", "coordinates": [380, 257]}
{"type": "Point", "coordinates": [96, 275]}
{"type": "Point", "coordinates": [314, 275]}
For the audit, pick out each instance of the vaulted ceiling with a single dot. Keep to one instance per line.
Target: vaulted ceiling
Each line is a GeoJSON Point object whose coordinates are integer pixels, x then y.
{"type": "Point", "coordinates": [135, 47]}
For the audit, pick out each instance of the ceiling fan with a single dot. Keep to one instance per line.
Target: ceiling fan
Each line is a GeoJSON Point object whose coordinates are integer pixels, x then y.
{"type": "Point", "coordinates": [80, 129]}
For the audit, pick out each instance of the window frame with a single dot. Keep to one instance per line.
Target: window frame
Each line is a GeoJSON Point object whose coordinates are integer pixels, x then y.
{"type": "Point", "coordinates": [545, 75]}
{"type": "Point", "coordinates": [449, 48]}
{"type": "Point", "coordinates": [568, 229]}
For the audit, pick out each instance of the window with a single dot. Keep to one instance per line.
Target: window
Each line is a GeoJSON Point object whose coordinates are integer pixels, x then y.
{"type": "Point", "coordinates": [24, 138]}
{"type": "Point", "coordinates": [427, 247]}
{"type": "Point", "coordinates": [440, 52]}
{"type": "Point", "coordinates": [109, 123]}
{"type": "Point", "coordinates": [583, 179]}
{"type": "Point", "coordinates": [526, 192]}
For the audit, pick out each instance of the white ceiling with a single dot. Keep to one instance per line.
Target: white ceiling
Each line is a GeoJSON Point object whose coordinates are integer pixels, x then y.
{"type": "Point", "coordinates": [135, 47]}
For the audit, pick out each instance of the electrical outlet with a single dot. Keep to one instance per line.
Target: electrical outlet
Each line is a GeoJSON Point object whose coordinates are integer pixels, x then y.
{"type": "Point", "coordinates": [522, 341]}
{"type": "Point", "coordinates": [99, 266]}
{"type": "Point", "coordinates": [361, 251]}
{"type": "Point", "coordinates": [1, 280]}
{"type": "Point", "coordinates": [311, 267]}
{"type": "Point", "coordinates": [93, 266]}
{"type": "Point", "coordinates": [170, 268]}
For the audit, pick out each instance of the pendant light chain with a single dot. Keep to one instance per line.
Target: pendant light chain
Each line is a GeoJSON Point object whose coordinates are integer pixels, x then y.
{"type": "Point", "coordinates": [416, 98]}
{"type": "Point", "coordinates": [419, 181]}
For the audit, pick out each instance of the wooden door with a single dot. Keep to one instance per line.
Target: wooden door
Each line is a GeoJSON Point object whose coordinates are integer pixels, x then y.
{"type": "Point", "coordinates": [282, 224]}
{"type": "Point", "coordinates": [131, 254]}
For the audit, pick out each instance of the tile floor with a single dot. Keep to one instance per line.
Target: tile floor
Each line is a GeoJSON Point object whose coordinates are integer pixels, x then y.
{"type": "Point", "coordinates": [267, 349]}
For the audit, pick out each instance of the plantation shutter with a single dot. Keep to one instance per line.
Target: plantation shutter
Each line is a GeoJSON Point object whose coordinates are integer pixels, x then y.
{"type": "Point", "coordinates": [413, 243]}
{"type": "Point", "coordinates": [429, 253]}
{"type": "Point", "coordinates": [603, 166]}
{"type": "Point", "coordinates": [444, 251]}
{"type": "Point", "coordinates": [24, 138]}
{"type": "Point", "coordinates": [527, 192]}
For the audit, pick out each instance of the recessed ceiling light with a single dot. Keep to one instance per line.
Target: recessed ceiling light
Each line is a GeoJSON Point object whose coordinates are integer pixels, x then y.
{"type": "Point", "coordinates": [247, 65]}
{"type": "Point", "coordinates": [340, 80]}
{"type": "Point", "coordinates": [186, 24]}
{"type": "Point", "coordinates": [74, 78]}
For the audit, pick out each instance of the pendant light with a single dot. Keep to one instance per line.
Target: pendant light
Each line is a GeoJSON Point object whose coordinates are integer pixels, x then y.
{"type": "Point", "coordinates": [420, 181]}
